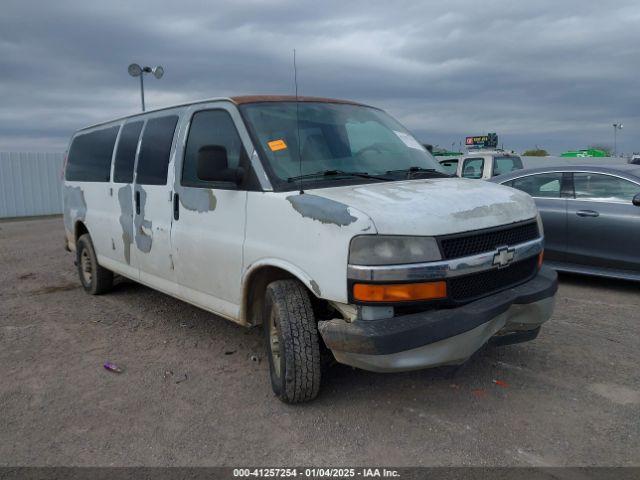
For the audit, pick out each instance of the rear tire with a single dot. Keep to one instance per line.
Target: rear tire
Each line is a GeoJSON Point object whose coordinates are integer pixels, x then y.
{"type": "Point", "coordinates": [94, 278]}
{"type": "Point", "coordinates": [292, 342]}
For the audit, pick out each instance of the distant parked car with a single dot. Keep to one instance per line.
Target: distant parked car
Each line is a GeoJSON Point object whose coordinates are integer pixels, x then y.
{"type": "Point", "coordinates": [485, 164]}
{"type": "Point", "coordinates": [635, 160]}
{"type": "Point", "coordinates": [591, 216]}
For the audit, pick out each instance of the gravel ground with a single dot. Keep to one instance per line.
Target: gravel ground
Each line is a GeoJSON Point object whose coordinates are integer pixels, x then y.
{"type": "Point", "coordinates": [192, 392]}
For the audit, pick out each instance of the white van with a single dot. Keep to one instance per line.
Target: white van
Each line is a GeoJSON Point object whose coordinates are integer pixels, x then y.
{"type": "Point", "coordinates": [323, 220]}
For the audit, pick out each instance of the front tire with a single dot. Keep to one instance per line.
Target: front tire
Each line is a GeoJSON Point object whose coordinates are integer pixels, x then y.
{"type": "Point", "coordinates": [94, 278]}
{"type": "Point", "coordinates": [292, 342]}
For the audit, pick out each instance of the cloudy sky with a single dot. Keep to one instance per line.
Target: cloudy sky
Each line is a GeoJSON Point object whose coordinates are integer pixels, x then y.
{"type": "Point", "coordinates": [555, 74]}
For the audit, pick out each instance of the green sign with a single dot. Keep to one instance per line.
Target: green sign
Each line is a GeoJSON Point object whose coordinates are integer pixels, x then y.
{"type": "Point", "coordinates": [590, 152]}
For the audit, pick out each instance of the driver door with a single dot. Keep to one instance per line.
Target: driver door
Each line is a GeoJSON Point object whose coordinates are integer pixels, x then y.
{"type": "Point", "coordinates": [209, 216]}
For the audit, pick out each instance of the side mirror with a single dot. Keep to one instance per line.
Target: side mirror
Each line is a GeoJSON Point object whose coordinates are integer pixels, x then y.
{"type": "Point", "coordinates": [213, 166]}
{"type": "Point", "coordinates": [636, 200]}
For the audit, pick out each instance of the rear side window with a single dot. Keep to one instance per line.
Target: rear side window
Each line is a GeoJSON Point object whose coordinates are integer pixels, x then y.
{"type": "Point", "coordinates": [211, 128]}
{"type": "Point", "coordinates": [604, 188]}
{"type": "Point", "coordinates": [90, 155]}
{"type": "Point", "coordinates": [155, 150]}
{"type": "Point", "coordinates": [543, 185]}
{"type": "Point", "coordinates": [473, 167]}
{"type": "Point", "coordinates": [506, 164]}
{"type": "Point", "coordinates": [126, 152]}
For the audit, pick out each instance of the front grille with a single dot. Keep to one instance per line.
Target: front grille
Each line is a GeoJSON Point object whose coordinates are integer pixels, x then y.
{"type": "Point", "coordinates": [465, 244]}
{"type": "Point", "coordinates": [471, 287]}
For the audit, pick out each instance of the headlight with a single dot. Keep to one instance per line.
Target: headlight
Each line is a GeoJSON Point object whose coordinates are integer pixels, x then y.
{"type": "Point", "coordinates": [540, 227]}
{"type": "Point", "coordinates": [392, 250]}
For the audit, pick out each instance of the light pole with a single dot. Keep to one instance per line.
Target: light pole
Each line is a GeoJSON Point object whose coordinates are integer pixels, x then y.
{"type": "Point", "coordinates": [136, 70]}
{"type": "Point", "coordinates": [616, 127]}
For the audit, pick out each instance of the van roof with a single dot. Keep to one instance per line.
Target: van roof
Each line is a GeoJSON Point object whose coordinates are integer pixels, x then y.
{"type": "Point", "coordinates": [241, 100]}
{"type": "Point", "coordinates": [238, 100]}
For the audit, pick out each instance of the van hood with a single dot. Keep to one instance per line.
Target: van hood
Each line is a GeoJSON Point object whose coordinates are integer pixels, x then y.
{"type": "Point", "coordinates": [434, 206]}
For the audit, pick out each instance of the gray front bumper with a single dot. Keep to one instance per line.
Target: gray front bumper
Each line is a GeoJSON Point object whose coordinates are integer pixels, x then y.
{"type": "Point", "coordinates": [457, 349]}
{"type": "Point", "coordinates": [446, 336]}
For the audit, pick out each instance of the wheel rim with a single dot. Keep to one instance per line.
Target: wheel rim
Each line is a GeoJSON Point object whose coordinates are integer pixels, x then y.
{"type": "Point", "coordinates": [274, 341]}
{"type": "Point", "coordinates": [85, 266]}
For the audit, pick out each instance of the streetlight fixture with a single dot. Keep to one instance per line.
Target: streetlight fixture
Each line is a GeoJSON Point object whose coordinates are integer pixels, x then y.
{"type": "Point", "coordinates": [616, 127]}
{"type": "Point", "coordinates": [136, 70]}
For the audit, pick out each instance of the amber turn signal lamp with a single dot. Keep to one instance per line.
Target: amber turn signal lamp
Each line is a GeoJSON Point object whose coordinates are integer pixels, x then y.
{"type": "Point", "coordinates": [540, 259]}
{"type": "Point", "coordinates": [400, 292]}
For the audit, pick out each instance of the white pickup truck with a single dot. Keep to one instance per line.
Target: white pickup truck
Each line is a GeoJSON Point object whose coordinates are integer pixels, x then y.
{"type": "Point", "coordinates": [322, 220]}
{"type": "Point", "coordinates": [482, 164]}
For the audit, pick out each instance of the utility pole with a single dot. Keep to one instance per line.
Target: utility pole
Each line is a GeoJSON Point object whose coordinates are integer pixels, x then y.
{"type": "Point", "coordinates": [136, 70]}
{"type": "Point", "coordinates": [616, 127]}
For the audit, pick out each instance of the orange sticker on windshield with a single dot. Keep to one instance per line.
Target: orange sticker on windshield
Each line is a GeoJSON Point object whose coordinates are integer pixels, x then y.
{"type": "Point", "coordinates": [276, 145]}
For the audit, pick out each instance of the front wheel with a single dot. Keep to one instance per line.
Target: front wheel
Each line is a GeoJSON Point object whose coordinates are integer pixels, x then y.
{"type": "Point", "coordinates": [292, 342]}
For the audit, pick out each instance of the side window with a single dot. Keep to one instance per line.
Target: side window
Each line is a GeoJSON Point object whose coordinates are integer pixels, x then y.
{"type": "Point", "coordinates": [473, 167]}
{"type": "Point", "coordinates": [604, 188]}
{"type": "Point", "coordinates": [212, 136]}
{"type": "Point", "coordinates": [90, 155]}
{"type": "Point", "coordinates": [450, 166]}
{"type": "Point", "coordinates": [545, 185]}
{"type": "Point", "coordinates": [506, 164]}
{"type": "Point", "coordinates": [126, 152]}
{"type": "Point", "coordinates": [155, 150]}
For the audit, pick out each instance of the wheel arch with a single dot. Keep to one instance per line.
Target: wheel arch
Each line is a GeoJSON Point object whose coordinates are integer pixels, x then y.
{"type": "Point", "coordinates": [79, 229]}
{"type": "Point", "coordinates": [255, 281]}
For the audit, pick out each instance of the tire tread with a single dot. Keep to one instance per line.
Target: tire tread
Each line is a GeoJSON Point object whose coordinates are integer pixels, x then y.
{"type": "Point", "coordinates": [302, 373]}
{"type": "Point", "coordinates": [102, 280]}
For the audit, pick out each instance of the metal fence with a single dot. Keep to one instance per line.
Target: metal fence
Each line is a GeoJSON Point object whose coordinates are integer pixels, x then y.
{"type": "Point", "coordinates": [30, 184]}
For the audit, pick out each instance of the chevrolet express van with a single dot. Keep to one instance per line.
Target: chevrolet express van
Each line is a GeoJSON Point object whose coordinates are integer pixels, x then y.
{"type": "Point", "coordinates": [324, 221]}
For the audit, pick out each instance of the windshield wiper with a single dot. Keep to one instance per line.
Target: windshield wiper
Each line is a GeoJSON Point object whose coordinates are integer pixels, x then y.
{"type": "Point", "coordinates": [335, 173]}
{"type": "Point", "coordinates": [412, 172]}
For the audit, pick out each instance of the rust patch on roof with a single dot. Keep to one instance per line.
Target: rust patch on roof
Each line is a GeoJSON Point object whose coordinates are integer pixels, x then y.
{"type": "Point", "coordinates": [240, 100]}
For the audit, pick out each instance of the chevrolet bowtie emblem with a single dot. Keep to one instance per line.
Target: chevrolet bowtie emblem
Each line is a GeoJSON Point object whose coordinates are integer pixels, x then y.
{"type": "Point", "coordinates": [503, 256]}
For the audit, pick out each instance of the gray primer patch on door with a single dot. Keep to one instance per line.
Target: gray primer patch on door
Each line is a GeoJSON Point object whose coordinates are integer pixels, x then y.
{"type": "Point", "coordinates": [321, 209]}
{"type": "Point", "coordinates": [125, 199]}
{"type": "Point", "coordinates": [197, 199]}
{"type": "Point", "coordinates": [74, 205]}
{"type": "Point", "coordinates": [143, 241]}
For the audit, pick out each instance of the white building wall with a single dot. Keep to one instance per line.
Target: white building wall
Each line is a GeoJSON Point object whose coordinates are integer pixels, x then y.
{"type": "Point", "coordinates": [30, 184]}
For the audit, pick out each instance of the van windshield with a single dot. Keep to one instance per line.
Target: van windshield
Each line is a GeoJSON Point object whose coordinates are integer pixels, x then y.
{"type": "Point", "coordinates": [309, 138]}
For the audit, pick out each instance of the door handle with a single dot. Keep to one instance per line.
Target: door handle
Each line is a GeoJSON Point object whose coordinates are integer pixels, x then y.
{"type": "Point", "coordinates": [176, 206]}
{"type": "Point", "coordinates": [137, 197]}
{"type": "Point", "coordinates": [587, 213]}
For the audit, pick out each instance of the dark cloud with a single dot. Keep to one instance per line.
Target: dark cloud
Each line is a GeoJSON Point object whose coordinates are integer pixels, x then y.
{"type": "Point", "coordinates": [550, 73]}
